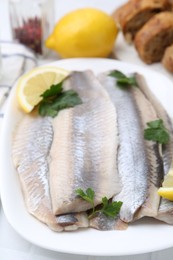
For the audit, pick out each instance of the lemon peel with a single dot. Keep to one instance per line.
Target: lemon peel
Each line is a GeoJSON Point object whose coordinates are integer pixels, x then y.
{"type": "Point", "coordinates": [166, 191]}
{"type": "Point", "coordinates": [86, 32]}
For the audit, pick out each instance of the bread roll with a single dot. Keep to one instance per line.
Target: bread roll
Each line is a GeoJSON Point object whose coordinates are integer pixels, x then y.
{"type": "Point", "coordinates": [171, 3]}
{"type": "Point", "coordinates": [135, 13]}
{"type": "Point", "coordinates": [167, 59]}
{"type": "Point", "coordinates": [153, 38]}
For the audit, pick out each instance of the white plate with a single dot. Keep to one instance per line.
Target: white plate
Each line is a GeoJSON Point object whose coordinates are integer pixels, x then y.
{"type": "Point", "coordinates": [141, 237]}
{"type": "Point", "coordinates": [127, 53]}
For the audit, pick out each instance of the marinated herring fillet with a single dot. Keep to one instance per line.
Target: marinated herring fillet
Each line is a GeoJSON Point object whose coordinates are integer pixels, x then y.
{"type": "Point", "coordinates": [73, 221]}
{"type": "Point", "coordinates": [98, 144]}
{"type": "Point", "coordinates": [31, 146]}
{"type": "Point", "coordinates": [132, 169]}
{"type": "Point", "coordinates": [84, 150]}
{"type": "Point", "coordinates": [167, 150]}
{"type": "Point", "coordinates": [102, 222]}
{"type": "Point", "coordinates": [32, 142]}
{"type": "Point", "coordinates": [155, 163]}
{"type": "Point", "coordinates": [135, 155]}
{"type": "Point", "coordinates": [165, 212]}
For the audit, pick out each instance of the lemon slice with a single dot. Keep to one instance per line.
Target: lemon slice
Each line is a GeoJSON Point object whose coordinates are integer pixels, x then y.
{"type": "Point", "coordinates": [166, 191]}
{"type": "Point", "coordinates": [31, 85]}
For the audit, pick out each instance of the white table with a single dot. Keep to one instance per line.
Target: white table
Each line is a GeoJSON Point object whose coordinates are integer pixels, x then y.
{"type": "Point", "coordinates": [12, 246]}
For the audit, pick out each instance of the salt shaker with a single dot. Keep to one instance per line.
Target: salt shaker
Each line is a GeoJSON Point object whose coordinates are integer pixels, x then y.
{"type": "Point", "coordinates": [32, 22]}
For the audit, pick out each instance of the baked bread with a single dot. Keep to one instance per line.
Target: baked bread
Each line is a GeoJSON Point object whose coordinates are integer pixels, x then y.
{"type": "Point", "coordinates": [154, 37]}
{"type": "Point", "coordinates": [167, 59]}
{"type": "Point", "coordinates": [135, 13]}
{"type": "Point", "coordinates": [171, 3]}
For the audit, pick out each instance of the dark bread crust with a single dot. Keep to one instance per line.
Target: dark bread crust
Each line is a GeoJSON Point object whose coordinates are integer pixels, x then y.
{"type": "Point", "coordinates": [135, 13]}
{"type": "Point", "coordinates": [154, 37]}
{"type": "Point", "coordinates": [167, 59]}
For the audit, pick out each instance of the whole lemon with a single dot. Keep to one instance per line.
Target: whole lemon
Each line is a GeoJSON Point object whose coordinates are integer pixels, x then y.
{"type": "Point", "coordinates": [86, 32]}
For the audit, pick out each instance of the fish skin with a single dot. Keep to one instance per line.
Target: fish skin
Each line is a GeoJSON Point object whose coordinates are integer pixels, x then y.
{"type": "Point", "coordinates": [87, 138]}
{"type": "Point", "coordinates": [81, 83]}
{"type": "Point", "coordinates": [155, 174]}
{"type": "Point", "coordinates": [31, 145]}
{"type": "Point", "coordinates": [71, 221]}
{"type": "Point", "coordinates": [133, 159]}
{"type": "Point", "coordinates": [165, 212]}
{"type": "Point", "coordinates": [129, 152]}
{"type": "Point", "coordinates": [102, 222]}
{"type": "Point", "coordinates": [167, 149]}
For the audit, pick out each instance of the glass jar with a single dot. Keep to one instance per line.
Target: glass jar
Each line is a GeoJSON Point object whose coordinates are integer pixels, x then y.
{"type": "Point", "coordinates": [32, 22]}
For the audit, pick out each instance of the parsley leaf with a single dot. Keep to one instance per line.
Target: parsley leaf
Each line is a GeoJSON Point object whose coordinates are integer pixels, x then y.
{"type": "Point", "coordinates": [122, 80]}
{"type": "Point", "coordinates": [110, 209]}
{"type": "Point", "coordinates": [46, 109]}
{"type": "Point", "coordinates": [55, 99]}
{"type": "Point", "coordinates": [155, 124]}
{"type": "Point", "coordinates": [156, 132]}
{"type": "Point", "coordinates": [88, 195]}
{"type": "Point", "coordinates": [53, 90]}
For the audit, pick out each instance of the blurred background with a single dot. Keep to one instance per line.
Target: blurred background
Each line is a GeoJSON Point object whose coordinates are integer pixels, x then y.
{"type": "Point", "coordinates": [61, 8]}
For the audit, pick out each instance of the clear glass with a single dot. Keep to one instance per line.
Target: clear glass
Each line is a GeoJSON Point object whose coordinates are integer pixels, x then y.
{"type": "Point", "coordinates": [32, 22]}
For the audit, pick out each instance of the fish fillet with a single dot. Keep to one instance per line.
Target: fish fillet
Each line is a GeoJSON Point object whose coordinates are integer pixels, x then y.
{"type": "Point", "coordinates": [84, 149]}
{"type": "Point", "coordinates": [165, 212]}
{"type": "Point", "coordinates": [154, 159]}
{"type": "Point", "coordinates": [135, 155]}
{"type": "Point", "coordinates": [31, 146]}
{"type": "Point", "coordinates": [102, 222]}
{"type": "Point", "coordinates": [167, 150]}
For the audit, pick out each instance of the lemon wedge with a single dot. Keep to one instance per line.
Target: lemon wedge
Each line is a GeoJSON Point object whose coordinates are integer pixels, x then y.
{"type": "Point", "coordinates": [32, 84]}
{"type": "Point", "coordinates": [166, 191]}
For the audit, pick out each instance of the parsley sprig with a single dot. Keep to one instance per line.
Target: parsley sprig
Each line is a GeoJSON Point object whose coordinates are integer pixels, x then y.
{"type": "Point", "coordinates": [108, 208]}
{"type": "Point", "coordinates": [56, 99]}
{"type": "Point", "coordinates": [122, 80]}
{"type": "Point", "coordinates": [156, 131]}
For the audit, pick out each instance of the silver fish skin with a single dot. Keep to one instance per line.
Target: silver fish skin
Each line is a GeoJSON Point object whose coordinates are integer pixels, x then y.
{"type": "Point", "coordinates": [132, 170]}
{"type": "Point", "coordinates": [73, 221]}
{"type": "Point", "coordinates": [165, 212]}
{"type": "Point", "coordinates": [31, 146]}
{"type": "Point", "coordinates": [134, 158]}
{"type": "Point", "coordinates": [83, 154]}
{"type": "Point", "coordinates": [155, 163]}
{"type": "Point", "coordinates": [167, 150]}
{"type": "Point", "coordinates": [102, 222]}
